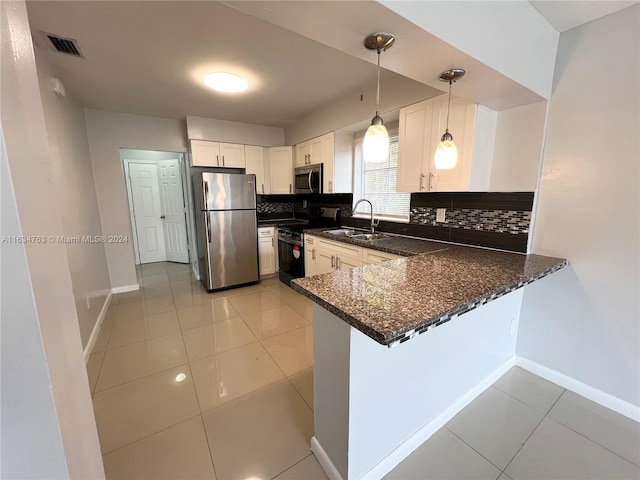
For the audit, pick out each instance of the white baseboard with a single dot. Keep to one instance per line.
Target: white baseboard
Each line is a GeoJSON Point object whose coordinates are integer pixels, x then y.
{"type": "Point", "coordinates": [195, 272]}
{"type": "Point", "coordinates": [126, 288]}
{"type": "Point", "coordinates": [602, 398]}
{"type": "Point", "coordinates": [404, 450]}
{"type": "Point", "coordinates": [324, 460]}
{"type": "Point", "coordinates": [96, 327]}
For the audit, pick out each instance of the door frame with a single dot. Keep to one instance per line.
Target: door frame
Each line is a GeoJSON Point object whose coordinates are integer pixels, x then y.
{"type": "Point", "coordinates": [125, 164]}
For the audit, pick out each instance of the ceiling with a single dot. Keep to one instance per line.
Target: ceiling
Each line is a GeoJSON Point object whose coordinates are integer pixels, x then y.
{"type": "Point", "coordinates": [564, 15]}
{"type": "Point", "coordinates": [149, 58]}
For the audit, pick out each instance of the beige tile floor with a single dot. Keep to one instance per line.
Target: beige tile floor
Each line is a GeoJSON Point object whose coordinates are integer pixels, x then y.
{"type": "Point", "coordinates": [190, 385]}
{"type": "Point", "coordinates": [524, 427]}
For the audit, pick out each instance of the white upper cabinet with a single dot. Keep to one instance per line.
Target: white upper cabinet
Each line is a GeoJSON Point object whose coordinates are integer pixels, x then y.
{"type": "Point", "coordinates": [281, 169]}
{"type": "Point", "coordinates": [232, 155]}
{"type": "Point", "coordinates": [422, 125]}
{"type": "Point", "coordinates": [216, 154]}
{"type": "Point", "coordinates": [322, 150]}
{"type": "Point", "coordinates": [254, 158]}
{"type": "Point", "coordinates": [311, 152]}
{"type": "Point", "coordinates": [204, 154]}
{"type": "Point", "coordinates": [302, 154]}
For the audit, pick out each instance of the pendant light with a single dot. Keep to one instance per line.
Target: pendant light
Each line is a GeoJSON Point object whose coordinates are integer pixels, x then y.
{"type": "Point", "coordinates": [447, 153]}
{"type": "Point", "coordinates": [375, 147]}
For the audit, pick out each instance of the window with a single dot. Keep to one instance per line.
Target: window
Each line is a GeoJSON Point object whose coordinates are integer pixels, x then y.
{"type": "Point", "coordinates": [377, 183]}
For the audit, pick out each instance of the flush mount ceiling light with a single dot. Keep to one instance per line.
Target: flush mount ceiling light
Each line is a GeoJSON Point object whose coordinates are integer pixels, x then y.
{"type": "Point", "coordinates": [226, 82]}
{"type": "Point", "coordinates": [447, 154]}
{"type": "Point", "coordinates": [375, 147]}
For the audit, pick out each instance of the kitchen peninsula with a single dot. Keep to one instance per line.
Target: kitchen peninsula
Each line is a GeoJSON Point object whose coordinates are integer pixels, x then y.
{"type": "Point", "coordinates": [450, 317]}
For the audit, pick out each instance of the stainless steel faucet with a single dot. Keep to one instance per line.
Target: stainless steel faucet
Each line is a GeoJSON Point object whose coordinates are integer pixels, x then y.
{"type": "Point", "coordinates": [373, 222]}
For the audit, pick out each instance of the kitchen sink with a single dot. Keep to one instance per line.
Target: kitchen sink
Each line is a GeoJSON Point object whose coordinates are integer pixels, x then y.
{"type": "Point", "coordinates": [355, 234]}
{"type": "Point", "coordinates": [368, 236]}
{"type": "Point", "coordinates": [342, 232]}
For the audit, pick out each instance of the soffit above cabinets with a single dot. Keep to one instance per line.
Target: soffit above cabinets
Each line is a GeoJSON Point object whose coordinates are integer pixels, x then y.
{"type": "Point", "coordinates": [149, 57]}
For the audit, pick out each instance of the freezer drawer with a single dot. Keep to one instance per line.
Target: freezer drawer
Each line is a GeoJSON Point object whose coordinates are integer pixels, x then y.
{"type": "Point", "coordinates": [231, 248]}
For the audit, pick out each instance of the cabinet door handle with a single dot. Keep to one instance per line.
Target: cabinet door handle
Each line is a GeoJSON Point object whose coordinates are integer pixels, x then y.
{"type": "Point", "coordinates": [333, 261]}
{"type": "Point", "coordinates": [218, 160]}
{"type": "Point", "coordinates": [431, 175]}
{"type": "Point", "coordinates": [421, 178]}
{"type": "Point", "coordinates": [223, 160]}
{"type": "Point", "coordinates": [337, 263]}
{"type": "Point", "coordinates": [272, 244]}
{"type": "Point", "coordinates": [290, 190]}
{"type": "Point", "coordinates": [263, 188]}
{"type": "Point", "coordinates": [313, 254]}
{"type": "Point", "coordinates": [330, 186]}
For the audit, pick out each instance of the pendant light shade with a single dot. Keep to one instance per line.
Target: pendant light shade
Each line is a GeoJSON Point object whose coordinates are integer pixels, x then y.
{"type": "Point", "coordinates": [375, 147]}
{"type": "Point", "coordinates": [446, 155]}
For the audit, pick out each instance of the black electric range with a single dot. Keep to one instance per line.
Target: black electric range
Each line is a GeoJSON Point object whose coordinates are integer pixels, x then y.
{"type": "Point", "coordinates": [291, 242]}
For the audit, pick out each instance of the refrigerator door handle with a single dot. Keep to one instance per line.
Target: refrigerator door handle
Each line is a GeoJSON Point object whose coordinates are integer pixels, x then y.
{"type": "Point", "coordinates": [206, 195]}
{"type": "Point", "coordinates": [208, 226]}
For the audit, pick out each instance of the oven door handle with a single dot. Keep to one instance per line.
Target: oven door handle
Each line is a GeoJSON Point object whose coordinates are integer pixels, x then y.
{"type": "Point", "coordinates": [289, 241]}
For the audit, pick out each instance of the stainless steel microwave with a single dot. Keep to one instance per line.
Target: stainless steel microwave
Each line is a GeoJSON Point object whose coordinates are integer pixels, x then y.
{"type": "Point", "coordinates": [308, 179]}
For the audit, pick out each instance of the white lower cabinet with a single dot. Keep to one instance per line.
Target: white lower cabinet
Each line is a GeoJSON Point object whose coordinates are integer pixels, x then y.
{"type": "Point", "coordinates": [337, 256]}
{"type": "Point", "coordinates": [326, 256]}
{"type": "Point", "coordinates": [267, 252]}
{"type": "Point", "coordinates": [310, 256]}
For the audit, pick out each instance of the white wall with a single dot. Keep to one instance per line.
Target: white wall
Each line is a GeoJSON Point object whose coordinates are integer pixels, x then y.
{"type": "Point", "coordinates": [108, 132]}
{"type": "Point", "coordinates": [395, 92]}
{"type": "Point", "coordinates": [583, 321]}
{"type": "Point", "coordinates": [200, 128]}
{"type": "Point", "coordinates": [511, 37]}
{"type": "Point", "coordinates": [518, 148]}
{"type": "Point", "coordinates": [31, 430]}
{"type": "Point", "coordinates": [73, 178]}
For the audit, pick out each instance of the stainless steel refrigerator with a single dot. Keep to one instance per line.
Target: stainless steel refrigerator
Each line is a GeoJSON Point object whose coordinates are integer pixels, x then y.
{"type": "Point", "coordinates": [227, 229]}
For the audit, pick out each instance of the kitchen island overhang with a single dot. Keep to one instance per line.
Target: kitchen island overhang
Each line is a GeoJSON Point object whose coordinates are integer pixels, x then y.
{"type": "Point", "coordinates": [373, 405]}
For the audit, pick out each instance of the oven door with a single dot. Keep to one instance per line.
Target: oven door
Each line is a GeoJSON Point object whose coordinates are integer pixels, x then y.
{"type": "Point", "coordinates": [291, 258]}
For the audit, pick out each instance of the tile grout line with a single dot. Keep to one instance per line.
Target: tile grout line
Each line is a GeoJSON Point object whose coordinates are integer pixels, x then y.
{"type": "Point", "coordinates": [463, 441]}
{"type": "Point", "coordinates": [532, 432]}
{"type": "Point", "coordinates": [148, 436]}
{"type": "Point", "coordinates": [291, 466]}
{"type": "Point", "coordinates": [195, 392]}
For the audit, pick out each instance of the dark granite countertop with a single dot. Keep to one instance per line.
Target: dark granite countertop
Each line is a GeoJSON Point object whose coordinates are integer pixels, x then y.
{"type": "Point", "coordinates": [396, 300]}
{"type": "Point", "coordinates": [396, 244]}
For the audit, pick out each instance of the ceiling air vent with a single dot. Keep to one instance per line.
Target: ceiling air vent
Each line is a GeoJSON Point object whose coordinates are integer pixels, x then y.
{"type": "Point", "coordinates": [63, 45]}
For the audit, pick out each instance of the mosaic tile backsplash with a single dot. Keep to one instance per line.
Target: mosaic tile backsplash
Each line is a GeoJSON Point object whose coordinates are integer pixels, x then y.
{"type": "Point", "coordinates": [275, 207]}
{"type": "Point", "coordinates": [500, 221]}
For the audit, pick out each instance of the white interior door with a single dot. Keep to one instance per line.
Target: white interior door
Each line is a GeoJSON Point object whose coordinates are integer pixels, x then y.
{"type": "Point", "coordinates": [147, 211]}
{"type": "Point", "coordinates": [173, 211]}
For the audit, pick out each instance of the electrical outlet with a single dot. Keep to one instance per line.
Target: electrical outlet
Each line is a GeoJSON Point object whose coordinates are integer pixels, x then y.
{"type": "Point", "coordinates": [441, 215]}
{"type": "Point", "coordinates": [513, 326]}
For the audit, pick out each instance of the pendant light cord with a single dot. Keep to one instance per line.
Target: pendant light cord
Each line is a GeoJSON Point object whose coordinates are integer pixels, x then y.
{"type": "Point", "coordinates": [448, 106]}
{"type": "Point", "coordinates": [378, 89]}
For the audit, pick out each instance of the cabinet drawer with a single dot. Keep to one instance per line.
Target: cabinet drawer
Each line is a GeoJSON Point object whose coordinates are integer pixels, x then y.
{"type": "Point", "coordinates": [266, 232]}
{"type": "Point", "coordinates": [310, 240]}
{"type": "Point", "coordinates": [374, 256]}
{"type": "Point", "coordinates": [341, 249]}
